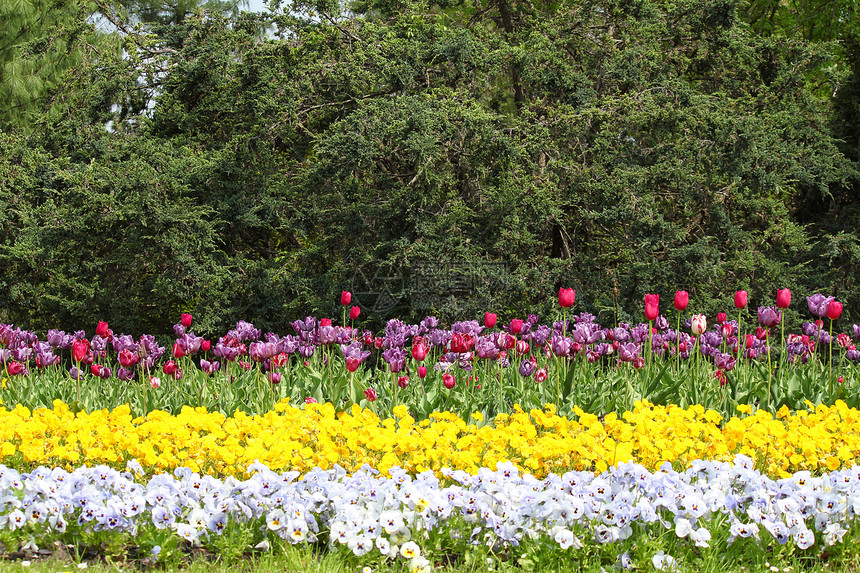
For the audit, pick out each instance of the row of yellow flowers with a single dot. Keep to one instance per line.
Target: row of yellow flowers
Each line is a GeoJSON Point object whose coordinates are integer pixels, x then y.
{"type": "Point", "coordinates": [818, 439]}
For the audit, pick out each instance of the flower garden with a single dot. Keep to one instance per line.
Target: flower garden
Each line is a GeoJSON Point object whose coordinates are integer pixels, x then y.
{"type": "Point", "coordinates": [681, 442]}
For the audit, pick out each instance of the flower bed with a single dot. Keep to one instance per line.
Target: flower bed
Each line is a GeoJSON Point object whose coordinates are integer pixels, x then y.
{"type": "Point", "coordinates": [627, 514]}
{"type": "Point", "coordinates": [540, 441]}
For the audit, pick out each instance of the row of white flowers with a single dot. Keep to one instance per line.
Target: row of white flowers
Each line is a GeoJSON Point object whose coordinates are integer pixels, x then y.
{"type": "Point", "coordinates": [394, 514]}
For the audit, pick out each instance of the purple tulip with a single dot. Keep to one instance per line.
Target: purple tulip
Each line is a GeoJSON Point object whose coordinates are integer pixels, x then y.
{"type": "Point", "coordinates": [539, 335]}
{"type": "Point", "coordinates": [769, 316]}
{"type": "Point", "coordinates": [354, 350]}
{"type": "Point", "coordinates": [561, 345]}
{"type": "Point", "coordinates": [229, 353]}
{"type": "Point", "coordinates": [628, 352]}
{"type": "Point", "coordinates": [857, 331]}
{"type": "Point", "coordinates": [853, 355]}
{"type": "Point", "coordinates": [620, 334]}
{"type": "Point", "coordinates": [818, 304]}
{"type": "Point", "coordinates": [485, 347]}
{"type": "Point", "coordinates": [124, 374]}
{"type": "Point", "coordinates": [209, 367]}
{"type": "Point", "coordinates": [725, 362]}
{"type": "Point", "coordinates": [527, 368]}
{"type": "Point", "coordinates": [396, 358]}
{"type": "Point", "coordinates": [306, 351]}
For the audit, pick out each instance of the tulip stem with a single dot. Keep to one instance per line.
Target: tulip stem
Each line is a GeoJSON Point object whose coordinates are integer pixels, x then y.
{"type": "Point", "coordinates": [830, 361]}
{"type": "Point", "coordinates": [678, 344]}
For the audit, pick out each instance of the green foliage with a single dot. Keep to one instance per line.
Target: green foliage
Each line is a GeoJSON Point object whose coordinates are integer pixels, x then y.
{"type": "Point", "coordinates": [442, 158]}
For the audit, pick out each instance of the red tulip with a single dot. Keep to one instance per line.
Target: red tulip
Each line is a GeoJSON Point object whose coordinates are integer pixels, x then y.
{"type": "Point", "coordinates": [185, 319]}
{"type": "Point", "coordinates": [834, 309]}
{"type": "Point", "coordinates": [325, 322]}
{"type": "Point", "coordinates": [461, 343]}
{"type": "Point", "coordinates": [566, 297]}
{"type": "Point", "coordinates": [128, 358]}
{"type": "Point", "coordinates": [741, 299]}
{"type": "Point", "coordinates": [783, 298]}
{"type": "Point", "coordinates": [169, 368]}
{"type": "Point", "coordinates": [205, 346]}
{"type": "Point", "coordinates": [370, 394]}
{"type": "Point", "coordinates": [419, 351]}
{"type": "Point", "coordinates": [652, 306]}
{"type": "Point", "coordinates": [354, 312]}
{"type": "Point", "coordinates": [102, 329]}
{"type": "Point", "coordinates": [540, 375]}
{"type": "Point", "coordinates": [489, 319]}
{"type": "Point", "coordinates": [448, 380]}
{"type": "Point", "coordinates": [682, 299]}
{"type": "Point", "coordinates": [422, 372]}
{"type": "Point", "coordinates": [345, 297]}
{"type": "Point", "coordinates": [516, 326]}
{"type": "Point", "coordinates": [96, 369]}
{"type": "Point", "coordinates": [178, 350]}
{"type": "Point", "coordinates": [15, 368]}
{"type": "Point", "coordinates": [403, 381]}
{"type": "Point", "coordinates": [80, 348]}
{"type": "Point", "coordinates": [721, 317]}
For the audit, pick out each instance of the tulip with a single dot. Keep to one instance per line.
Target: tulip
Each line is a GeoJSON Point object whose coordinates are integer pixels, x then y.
{"type": "Point", "coordinates": [205, 346]}
{"type": "Point", "coordinates": [540, 375]}
{"type": "Point", "coordinates": [354, 312]}
{"type": "Point", "coordinates": [345, 298]}
{"type": "Point", "coordinates": [96, 369]}
{"type": "Point", "coordinates": [155, 382]}
{"type": "Point", "coordinates": [325, 322]}
{"type": "Point", "coordinates": [783, 298]}
{"type": "Point", "coordinates": [566, 297]}
{"type": "Point", "coordinates": [80, 348]}
{"type": "Point", "coordinates": [721, 317]}
{"type": "Point", "coordinates": [403, 381]}
{"type": "Point", "coordinates": [682, 299]}
{"type": "Point", "coordinates": [834, 309]}
{"type": "Point", "coordinates": [178, 350]}
{"type": "Point", "coordinates": [185, 319]}
{"type": "Point", "coordinates": [489, 319]}
{"type": "Point", "coordinates": [698, 324]}
{"type": "Point", "coordinates": [102, 329]}
{"type": "Point", "coordinates": [15, 368]}
{"type": "Point", "coordinates": [769, 316]}
{"type": "Point", "coordinates": [527, 368]}
{"type": "Point", "coordinates": [741, 299]}
{"type": "Point", "coordinates": [312, 400]}
{"type": "Point", "coordinates": [419, 351]}
{"type": "Point", "coordinates": [652, 306]}
{"type": "Point", "coordinates": [516, 326]}
{"type": "Point", "coordinates": [169, 367]}
{"type": "Point", "coordinates": [422, 372]}
{"type": "Point", "coordinates": [274, 377]}
{"type": "Point", "coordinates": [818, 304]}
{"type": "Point", "coordinates": [352, 364]}
{"type": "Point", "coordinates": [370, 393]}
{"type": "Point", "coordinates": [448, 380]}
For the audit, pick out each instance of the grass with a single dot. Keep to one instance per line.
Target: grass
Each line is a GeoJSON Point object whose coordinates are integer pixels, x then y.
{"type": "Point", "coordinates": [307, 560]}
